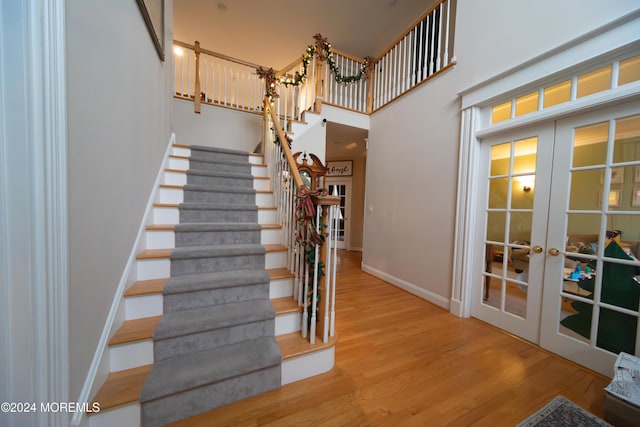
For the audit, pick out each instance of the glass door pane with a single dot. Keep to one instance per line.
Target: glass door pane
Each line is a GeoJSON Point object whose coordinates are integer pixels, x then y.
{"type": "Point", "coordinates": [591, 299]}
{"type": "Point", "coordinates": [513, 224]}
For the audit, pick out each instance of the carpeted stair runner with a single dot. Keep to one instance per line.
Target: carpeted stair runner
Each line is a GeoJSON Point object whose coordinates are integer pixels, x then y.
{"type": "Point", "coordinates": [215, 343]}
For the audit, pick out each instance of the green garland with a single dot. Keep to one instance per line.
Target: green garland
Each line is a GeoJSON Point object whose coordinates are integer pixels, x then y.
{"type": "Point", "coordinates": [323, 51]}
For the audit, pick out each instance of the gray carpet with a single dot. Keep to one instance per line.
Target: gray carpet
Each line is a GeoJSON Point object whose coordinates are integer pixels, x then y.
{"type": "Point", "coordinates": [215, 343]}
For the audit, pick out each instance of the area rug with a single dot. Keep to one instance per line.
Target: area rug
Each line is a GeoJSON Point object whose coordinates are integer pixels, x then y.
{"type": "Point", "coordinates": [561, 412]}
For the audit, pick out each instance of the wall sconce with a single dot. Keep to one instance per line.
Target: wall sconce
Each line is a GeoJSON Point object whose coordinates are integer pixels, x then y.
{"type": "Point", "coordinates": [527, 182]}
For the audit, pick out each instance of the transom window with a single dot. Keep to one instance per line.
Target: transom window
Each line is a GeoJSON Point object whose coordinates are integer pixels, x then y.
{"type": "Point", "coordinates": [616, 74]}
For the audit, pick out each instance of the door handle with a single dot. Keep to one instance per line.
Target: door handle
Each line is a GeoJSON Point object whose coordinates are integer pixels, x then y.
{"type": "Point", "coordinates": [537, 249]}
{"type": "Point", "coordinates": [554, 252]}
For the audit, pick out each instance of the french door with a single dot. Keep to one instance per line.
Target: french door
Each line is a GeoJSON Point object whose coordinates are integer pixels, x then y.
{"type": "Point", "coordinates": [560, 221]}
{"type": "Point", "coordinates": [515, 200]}
{"type": "Point", "coordinates": [341, 187]}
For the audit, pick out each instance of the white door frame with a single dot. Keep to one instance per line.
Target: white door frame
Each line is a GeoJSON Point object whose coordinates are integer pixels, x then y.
{"type": "Point", "coordinates": [347, 181]}
{"type": "Point", "coordinates": [34, 362]}
{"type": "Point", "coordinates": [617, 38]}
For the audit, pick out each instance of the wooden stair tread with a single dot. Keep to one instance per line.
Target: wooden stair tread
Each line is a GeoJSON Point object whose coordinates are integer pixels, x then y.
{"type": "Point", "coordinates": [182, 146]}
{"type": "Point", "coordinates": [275, 248]}
{"type": "Point", "coordinates": [165, 205]}
{"type": "Point", "coordinates": [175, 170]}
{"type": "Point", "coordinates": [280, 273]}
{"type": "Point", "coordinates": [266, 208]}
{"type": "Point", "coordinates": [178, 157]}
{"type": "Point", "coordinates": [135, 330]}
{"type": "Point", "coordinates": [259, 165]}
{"type": "Point", "coordinates": [146, 287]}
{"type": "Point", "coordinates": [293, 345]}
{"type": "Point", "coordinates": [264, 191]}
{"type": "Point", "coordinates": [271, 226]}
{"type": "Point", "coordinates": [161, 227]}
{"type": "Point", "coordinates": [285, 305]}
{"type": "Point", "coordinates": [178, 187]}
{"type": "Point", "coordinates": [261, 177]}
{"type": "Point", "coordinates": [122, 387]}
{"type": "Point", "coordinates": [154, 254]}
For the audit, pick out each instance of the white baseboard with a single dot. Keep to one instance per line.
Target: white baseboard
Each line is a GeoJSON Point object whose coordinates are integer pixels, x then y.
{"type": "Point", "coordinates": [433, 298]}
{"type": "Point", "coordinates": [98, 362]}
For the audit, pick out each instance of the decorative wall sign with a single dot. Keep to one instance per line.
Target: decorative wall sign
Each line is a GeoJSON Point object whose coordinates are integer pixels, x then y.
{"type": "Point", "coordinates": [341, 168]}
{"type": "Point", "coordinates": [153, 14]}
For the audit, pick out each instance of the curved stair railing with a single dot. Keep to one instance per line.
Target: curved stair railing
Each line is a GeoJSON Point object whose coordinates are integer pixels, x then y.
{"type": "Point", "coordinates": [312, 260]}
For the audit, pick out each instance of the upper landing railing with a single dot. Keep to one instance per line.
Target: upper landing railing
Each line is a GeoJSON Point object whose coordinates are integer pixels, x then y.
{"type": "Point", "coordinates": [422, 52]}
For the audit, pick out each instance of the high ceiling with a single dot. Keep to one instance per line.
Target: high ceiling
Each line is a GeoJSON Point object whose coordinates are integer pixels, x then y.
{"type": "Point", "coordinates": [274, 33]}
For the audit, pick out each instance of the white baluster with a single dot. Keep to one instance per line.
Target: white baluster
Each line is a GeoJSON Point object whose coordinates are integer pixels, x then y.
{"type": "Point", "coordinates": [439, 45]}
{"type": "Point", "coordinates": [336, 217]}
{"type": "Point", "coordinates": [327, 273]}
{"type": "Point", "coordinates": [445, 59]}
{"type": "Point", "coordinates": [305, 293]}
{"type": "Point", "coordinates": [316, 267]}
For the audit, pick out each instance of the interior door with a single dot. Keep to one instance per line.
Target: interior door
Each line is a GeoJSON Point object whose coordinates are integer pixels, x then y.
{"type": "Point", "coordinates": [512, 221]}
{"type": "Point", "coordinates": [591, 295]}
{"type": "Point", "coordinates": [342, 187]}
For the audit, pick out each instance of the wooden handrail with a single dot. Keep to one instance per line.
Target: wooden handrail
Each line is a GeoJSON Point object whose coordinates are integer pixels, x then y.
{"type": "Point", "coordinates": [218, 55]}
{"type": "Point", "coordinates": [297, 179]}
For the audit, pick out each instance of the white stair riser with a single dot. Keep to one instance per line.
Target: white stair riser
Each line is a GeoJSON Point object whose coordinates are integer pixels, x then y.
{"type": "Point", "coordinates": [178, 163]}
{"type": "Point", "coordinates": [266, 216]}
{"type": "Point", "coordinates": [166, 215]}
{"type": "Point", "coordinates": [128, 415]}
{"type": "Point", "coordinates": [180, 151]}
{"type": "Point", "coordinates": [307, 365]}
{"type": "Point", "coordinates": [255, 159]}
{"type": "Point", "coordinates": [261, 184]}
{"type": "Point", "coordinates": [270, 236]}
{"type": "Point", "coordinates": [279, 288]}
{"type": "Point", "coordinates": [264, 199]}
{"type": "Point", "coordinates": [130, 355]}
{"type": "Point", "coordinates": [258, 170]}
{"type": "Point", "coordinates": [170, 195]}
{"type": "Point", "coordinates": [275, 260]}
{"type": "Point", "coordinates": [148, 269]}
{"type": "Point", "coordinates": [174, 178]}
{"type": "Point", "coordinates": [143, 306]}
{"type": "Point", "coordinates": [160, 239]}
{"type": "Point", "coordinates": [288, 322]}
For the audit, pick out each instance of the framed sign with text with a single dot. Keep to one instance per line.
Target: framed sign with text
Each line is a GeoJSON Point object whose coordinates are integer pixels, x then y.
{"type": "Point", "coordinates": [341, 168]}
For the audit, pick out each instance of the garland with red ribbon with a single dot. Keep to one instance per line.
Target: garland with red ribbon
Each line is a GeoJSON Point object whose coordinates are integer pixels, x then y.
{"type": "Point", "coordinates": [306, 217]}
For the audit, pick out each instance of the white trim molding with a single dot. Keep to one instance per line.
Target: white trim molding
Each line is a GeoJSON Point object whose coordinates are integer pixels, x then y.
{"type": "Point", "coordinates": [433, 298]}
{"type": "Point", "coordinates": [33, 209]}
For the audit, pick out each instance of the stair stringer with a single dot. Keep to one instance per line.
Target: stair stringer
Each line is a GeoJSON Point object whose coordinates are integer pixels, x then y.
{"type": "Point", "coordinates": [99, 368]}
{"type": "Point", "coordinates": [294, 368]}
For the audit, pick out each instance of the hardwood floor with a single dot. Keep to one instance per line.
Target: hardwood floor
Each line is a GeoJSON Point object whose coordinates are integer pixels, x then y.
{"type": "Point", "coordinates": [401, 361]}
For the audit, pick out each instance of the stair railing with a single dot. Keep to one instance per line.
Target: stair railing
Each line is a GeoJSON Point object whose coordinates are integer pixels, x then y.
{"type": "Point", "coordinates": [420, 53]}
{"type": "Point", "coordinates": [352, 96]}
{"type": "Point", "coordinates": [208, 77]}
{"type": "Point", "coordinates": [294, 100]}
{"type": "Point", "coordinates": [314, 295]}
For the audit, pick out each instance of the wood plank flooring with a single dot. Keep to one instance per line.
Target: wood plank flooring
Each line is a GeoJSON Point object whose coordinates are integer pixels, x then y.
{"type": "Point", "coordinates": [401, 361]}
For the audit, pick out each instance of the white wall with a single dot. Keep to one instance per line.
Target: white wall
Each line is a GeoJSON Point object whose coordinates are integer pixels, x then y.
{"type": "Point", "coordinates": [313, 140]}
{"type": "Point", "coordinates": [413, 143]}
{"type": "Point", "coordinates": [216, 126]}
{"type": "Point", "coordinates": [119, 123]}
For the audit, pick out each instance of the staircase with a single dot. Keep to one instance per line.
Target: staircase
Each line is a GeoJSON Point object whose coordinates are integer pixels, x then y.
{"type": "Point", "coordinates": [210, 318]}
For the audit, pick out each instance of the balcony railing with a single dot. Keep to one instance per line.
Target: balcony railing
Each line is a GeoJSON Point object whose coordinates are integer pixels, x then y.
{"type": "Point", "coordinates": [420, 53]}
